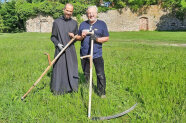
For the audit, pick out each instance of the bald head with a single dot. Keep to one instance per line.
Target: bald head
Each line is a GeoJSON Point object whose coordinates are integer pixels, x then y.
{"type": "Point", "coordinates": [68, 5]}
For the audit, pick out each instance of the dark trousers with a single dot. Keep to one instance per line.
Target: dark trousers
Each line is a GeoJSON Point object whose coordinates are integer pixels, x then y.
{"type": "Point", "coordinates": [99, 66]}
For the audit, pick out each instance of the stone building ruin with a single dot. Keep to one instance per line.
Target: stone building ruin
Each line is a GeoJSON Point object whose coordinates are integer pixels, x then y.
{"type": "Point", "coordinates": [153, 18]}
{"type": "Point", "coordinates": [41, 23]}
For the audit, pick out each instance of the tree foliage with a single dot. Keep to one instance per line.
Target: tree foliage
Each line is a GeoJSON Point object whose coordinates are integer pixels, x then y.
{"type": "Point", "coordinates": [1, 24]}
{"type": "Point", "coordinates": [183, 4]}
{"type": "Point", "coordinates": [137, 4]}
{"type": "Point", "coordinates": [11, 22]}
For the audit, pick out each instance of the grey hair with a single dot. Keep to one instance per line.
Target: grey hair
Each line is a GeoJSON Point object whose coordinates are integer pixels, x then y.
{"type": "Point", "coordinates": [92, 7]}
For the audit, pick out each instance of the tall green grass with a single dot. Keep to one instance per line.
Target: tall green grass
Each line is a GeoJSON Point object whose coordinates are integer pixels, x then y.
{"type": "Point", "coordinates": [137, 70]}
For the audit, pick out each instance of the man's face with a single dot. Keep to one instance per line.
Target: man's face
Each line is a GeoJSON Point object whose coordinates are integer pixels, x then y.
{"type": "Point", "coordinates": [68, 10]}
{"type": "Point", "coordinates": [92, 14]}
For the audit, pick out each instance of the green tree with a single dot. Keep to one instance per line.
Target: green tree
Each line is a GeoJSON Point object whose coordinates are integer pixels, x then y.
{"type": "Point", "coordinates": [8, 13]}
{"type": "Point", "coordinates": [34, 1]}
{"type": "Point", "coordinates": [1, 24]}
{"type": "Point", "coordinates": [183, 4]}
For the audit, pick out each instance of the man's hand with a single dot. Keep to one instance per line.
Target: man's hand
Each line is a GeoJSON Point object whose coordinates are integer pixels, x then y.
{"type": "Point", "coordinates": [83, 34]}
{"type": "Point", "coordinates": [93, 37]}
{"type": "Point", "coordinates": [71, 35]}
{"type": "Point", "coordinates": [60, 46]}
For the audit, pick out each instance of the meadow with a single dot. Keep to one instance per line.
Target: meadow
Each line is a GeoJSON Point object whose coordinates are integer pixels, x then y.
{"type": "Point", "coordinates": [140, 67]}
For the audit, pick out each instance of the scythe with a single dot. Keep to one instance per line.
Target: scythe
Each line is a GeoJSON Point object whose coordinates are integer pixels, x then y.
{"type": "Point", "coordinates": [50, 65]}
{"type": "Point", "coordinates": [91, 32]}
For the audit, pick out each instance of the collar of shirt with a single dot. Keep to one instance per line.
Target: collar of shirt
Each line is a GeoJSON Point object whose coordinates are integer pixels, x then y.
{"type": "Point", "coordinates": [92, 23]}
{"type": "Point", "coordinates": [62, 17]}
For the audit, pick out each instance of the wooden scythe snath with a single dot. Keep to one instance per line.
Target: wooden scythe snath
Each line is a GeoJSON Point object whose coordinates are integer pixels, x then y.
{"type": "Point", "coordinates": [90, 84]}
{"type": "Point", "coordinates": [50, 65]}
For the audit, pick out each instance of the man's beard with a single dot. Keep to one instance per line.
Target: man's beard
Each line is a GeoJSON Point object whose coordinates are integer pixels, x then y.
{"type": "Point", "coordinates": [67, 17]}
{"type": "Point", "coordinates": [93, 20]}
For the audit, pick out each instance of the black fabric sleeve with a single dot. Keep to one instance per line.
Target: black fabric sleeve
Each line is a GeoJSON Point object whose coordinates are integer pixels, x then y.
{"type": "Point", "coordinates": [76, 29]}
{"type": "Point", "coordinates": [54, 37]}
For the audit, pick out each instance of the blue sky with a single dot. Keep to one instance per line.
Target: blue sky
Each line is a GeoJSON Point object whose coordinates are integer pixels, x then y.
{"type": "Point", "coordinates": [2, 0]}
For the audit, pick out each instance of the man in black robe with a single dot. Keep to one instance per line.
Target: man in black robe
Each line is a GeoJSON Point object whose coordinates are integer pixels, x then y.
{"type": "Point", "coordinates": [65, 70]}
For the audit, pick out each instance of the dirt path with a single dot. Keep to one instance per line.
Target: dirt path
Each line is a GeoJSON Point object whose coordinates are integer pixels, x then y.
{"type": "Point", "coordinates": [157, 43]}
{"type": "Point", "coordinates": [177, 45]}
{"type": "Point", "coordinates": [164, 44]}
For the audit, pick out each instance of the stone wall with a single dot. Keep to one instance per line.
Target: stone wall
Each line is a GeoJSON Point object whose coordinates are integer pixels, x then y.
{"type": "Point", "coordinates": [152, 18]}
{"type": "Point", "coordinates": [41, 23]}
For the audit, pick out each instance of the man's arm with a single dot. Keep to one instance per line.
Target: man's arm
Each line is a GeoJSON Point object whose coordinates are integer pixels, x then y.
{"type": "Point", "coordinates": [81, 37]}
{"type": "Point", "coordinates": [81, 34]}
{"type": "Point", "coordinates": [102, 39]}
{"type": "Point", "coordinates": [99, 39]}
{"type": "Point", "coordinates": [105, 36]}
{"type": "Point", "coordinates": [54, 38]}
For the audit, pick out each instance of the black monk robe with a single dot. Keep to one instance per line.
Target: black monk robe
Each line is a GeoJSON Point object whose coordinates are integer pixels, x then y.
{"type": "Point", "coordinates": [65, 70]}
